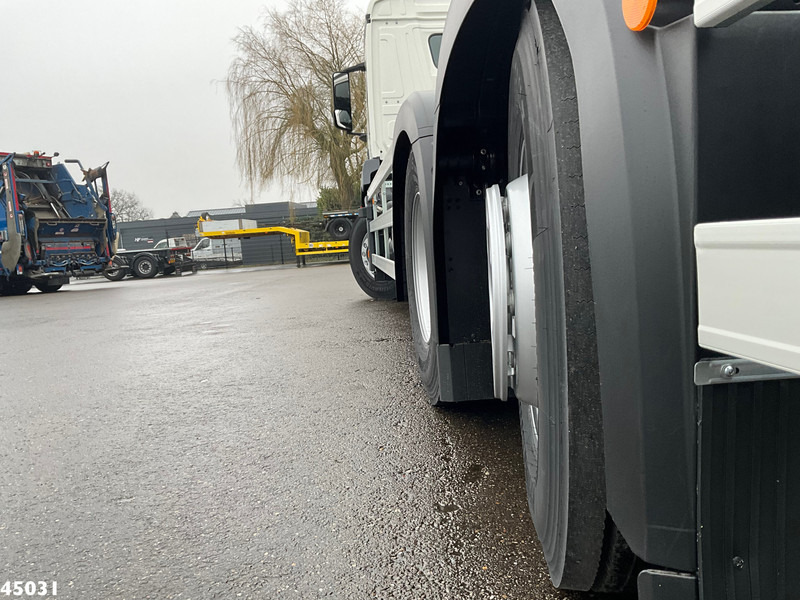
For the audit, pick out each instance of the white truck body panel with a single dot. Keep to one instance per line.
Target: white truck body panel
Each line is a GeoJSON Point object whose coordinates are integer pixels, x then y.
{"type": "Point", "coordinates": [713, 13]}
{"type": "Point", "coordinates": [748, 276]}
{"type": "Point", "coordinates": [399, 60]}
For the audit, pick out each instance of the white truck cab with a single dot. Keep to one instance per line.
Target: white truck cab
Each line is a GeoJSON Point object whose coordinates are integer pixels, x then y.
{"type": "Point", "coordinates": [401, 55]}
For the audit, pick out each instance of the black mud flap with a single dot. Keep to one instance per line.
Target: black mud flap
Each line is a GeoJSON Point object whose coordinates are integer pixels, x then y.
{"type": "Point", "coordinates": [465, 372]}
{"type": "Point", "coordinates": [749, 492]}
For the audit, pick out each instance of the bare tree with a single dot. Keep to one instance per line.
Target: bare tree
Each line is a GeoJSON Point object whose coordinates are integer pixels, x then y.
{"type": "Point", "coordinates": [127, 206]}
{"type": "Point", "coordinates": [280, 92]}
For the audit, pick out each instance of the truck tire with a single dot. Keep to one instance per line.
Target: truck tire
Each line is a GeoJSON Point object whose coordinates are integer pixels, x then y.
{"type": "Point", "coordinates": [145, 267]}
{"type": "Point", "coordinates": [340, 228]}
{"type": "Point", "coordinates": [114, 274]}
{"type": "Point", "coordinates": [420, 270]}
{"type": "Point", "coordinates": [361, 265]}
{"type": "Point", "coordinates": [562, 437]}
{"type": "Point", "coordinates": [48, 288]}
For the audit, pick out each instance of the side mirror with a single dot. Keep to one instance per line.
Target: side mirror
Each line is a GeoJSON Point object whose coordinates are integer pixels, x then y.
{"type": "Point", "coordinates": [342, 106]}
{"type": "Point", "coordinates": [342, 99]}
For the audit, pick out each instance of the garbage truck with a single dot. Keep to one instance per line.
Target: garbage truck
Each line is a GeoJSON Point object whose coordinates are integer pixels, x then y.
{"type": "Point", "coordinates": [594, 211]}
{"type": "Point", "coordinates": [51, 226]}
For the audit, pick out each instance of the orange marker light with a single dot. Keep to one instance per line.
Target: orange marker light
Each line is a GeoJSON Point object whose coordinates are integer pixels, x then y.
{"type": "Point", "coordinates": [638, 13]}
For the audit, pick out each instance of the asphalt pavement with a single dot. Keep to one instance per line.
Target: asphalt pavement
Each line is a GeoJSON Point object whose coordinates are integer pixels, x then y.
{"type": "Point", "coordinates": [250, 433]}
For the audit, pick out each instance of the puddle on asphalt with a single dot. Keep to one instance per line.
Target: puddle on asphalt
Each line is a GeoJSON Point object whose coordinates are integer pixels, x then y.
{"type": "Point", "coordinates": [474, 473]}
{"type": "Point", "coordinates": [441, 507]}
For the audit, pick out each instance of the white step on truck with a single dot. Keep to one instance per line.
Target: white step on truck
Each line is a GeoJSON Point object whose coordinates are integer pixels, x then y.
{"type": "Point", "coordinates": [592, 208]}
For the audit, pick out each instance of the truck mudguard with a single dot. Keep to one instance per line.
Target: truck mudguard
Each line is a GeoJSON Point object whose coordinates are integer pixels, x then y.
{"type": "Point", "coordinates": [638, 234]}
{"type": "Point", "coordinates": [663, 147]}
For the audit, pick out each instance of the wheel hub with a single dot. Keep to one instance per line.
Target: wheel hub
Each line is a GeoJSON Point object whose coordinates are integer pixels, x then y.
{"type": "Point", "coordinates": [511, 291]}
{"type": "Point", "coordinates": [365, 256]}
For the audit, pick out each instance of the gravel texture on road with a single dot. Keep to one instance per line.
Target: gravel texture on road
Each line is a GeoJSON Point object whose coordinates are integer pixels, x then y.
{"type": "Point", "coordinates": [252, 433]}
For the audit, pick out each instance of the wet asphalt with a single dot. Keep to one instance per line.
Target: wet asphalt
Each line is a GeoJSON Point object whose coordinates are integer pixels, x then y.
{"type": "Point", "coordinates": [252, 433]}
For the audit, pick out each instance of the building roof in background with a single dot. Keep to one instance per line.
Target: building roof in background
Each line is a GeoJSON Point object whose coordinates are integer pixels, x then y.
{"type": "Point", "coordinates": [234, 210]}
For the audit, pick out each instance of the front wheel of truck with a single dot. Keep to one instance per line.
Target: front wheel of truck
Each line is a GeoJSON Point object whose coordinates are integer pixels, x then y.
{"type": "Point", "coordinates": [364, 272]}
{"type": "Point", "coordinates": [421, 273]}
{"type": "Point", "coordinates": [561, 421]}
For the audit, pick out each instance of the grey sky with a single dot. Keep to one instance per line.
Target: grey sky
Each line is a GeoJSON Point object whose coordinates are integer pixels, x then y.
{"type": "Point", "coordinates": [138, 83]}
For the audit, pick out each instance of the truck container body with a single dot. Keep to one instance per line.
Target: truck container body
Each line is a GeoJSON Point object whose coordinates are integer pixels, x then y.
{"type": "Point", "coordinates": [51, 227]}
{"type": "Point", "coordinates": [595, 214]}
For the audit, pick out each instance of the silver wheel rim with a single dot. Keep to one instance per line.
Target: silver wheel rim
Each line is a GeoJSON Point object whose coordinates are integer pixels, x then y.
{"type": "Point", "coordinates": [419, 263]}
{"type": "Point", "coordinates": [499, 310]}
{"type": "Point", "coordinates": [365, 256]}
{"type": "Point", "coordinates": [145, 267]}
{"type": "Point", "coordinates": [512, 296]}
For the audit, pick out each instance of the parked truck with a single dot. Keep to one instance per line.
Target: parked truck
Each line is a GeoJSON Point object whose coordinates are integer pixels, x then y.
{"type": "Point", "coordinates": [51, 227]}
{"type": "Point", "coordinates": [594, 211]}
{"type": "Point", "coordinates": [170, 256]}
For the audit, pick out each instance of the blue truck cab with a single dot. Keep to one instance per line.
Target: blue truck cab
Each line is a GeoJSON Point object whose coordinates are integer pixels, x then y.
{"type": "Point", "coordinates": [51, 227]}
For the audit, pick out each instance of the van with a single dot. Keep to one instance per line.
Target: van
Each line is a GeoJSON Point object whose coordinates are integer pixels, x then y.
{"type": "Point", "coordinates": [210, 252]}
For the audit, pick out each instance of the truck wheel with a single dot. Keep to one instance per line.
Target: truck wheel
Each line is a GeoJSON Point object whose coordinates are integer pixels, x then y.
{"type": "Point", "coordinates": [562, 431]}
{"type": "Point", "coordinates": [361, 265]}
{"type": "Point", "coordinates": [145, 267]}
{"type": "Point", "coordinates": [340, 228]}
{"type": "Point", "coordinates": [420, 271]}
{"type": "Point", "coordinates": [48, 288]}
{"type": "Point", "coordinates": [114, 274]}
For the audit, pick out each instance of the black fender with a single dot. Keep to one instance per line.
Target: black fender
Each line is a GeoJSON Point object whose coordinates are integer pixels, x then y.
{"type": "Point", "coordinates": [638, 163]}
{"type": "Point", "coordinates": [464, 367]}
{"type": "Point", "coordinates": [156, 257]}
{"type": "Point", "coordinates": [635, 96]}
{"type": "Point", "coordinates": [469, 154]}
{"type": "Point", "coordinates": [659, 156]}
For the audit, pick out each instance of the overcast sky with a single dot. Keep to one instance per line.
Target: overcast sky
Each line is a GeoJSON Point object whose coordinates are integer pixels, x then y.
{"type": "Point", "coordinates": [139, 83]}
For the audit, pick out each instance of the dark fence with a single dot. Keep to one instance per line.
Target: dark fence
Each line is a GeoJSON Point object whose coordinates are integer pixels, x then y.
{"type": "Point", "coordinates": [266, 250]}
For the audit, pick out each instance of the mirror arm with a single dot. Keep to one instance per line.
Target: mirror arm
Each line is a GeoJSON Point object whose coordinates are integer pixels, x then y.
{"type": "Point", "coordinates": [355, 68]}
